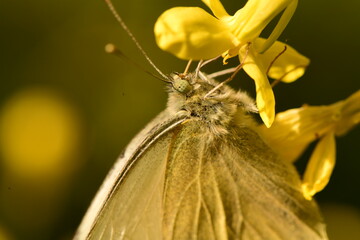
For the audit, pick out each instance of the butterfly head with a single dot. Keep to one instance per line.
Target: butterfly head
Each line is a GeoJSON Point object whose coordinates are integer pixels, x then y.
{"type": "Point", "coordinates": [182, 82]}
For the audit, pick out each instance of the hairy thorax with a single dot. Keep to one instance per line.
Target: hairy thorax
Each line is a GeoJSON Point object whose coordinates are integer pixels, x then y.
{"type": "Point", "coordinates": [218, 110]}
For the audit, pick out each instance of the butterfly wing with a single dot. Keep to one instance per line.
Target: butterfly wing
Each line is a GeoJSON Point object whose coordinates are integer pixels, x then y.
{"type": "Point", "coordinates": [130, 192]}
{"type": "Point", "coordinates": [233, 187]}
{"type": "Point", "coordinates": [183, 183]}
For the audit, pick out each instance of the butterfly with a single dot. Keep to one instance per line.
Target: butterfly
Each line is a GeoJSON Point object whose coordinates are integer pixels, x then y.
{"type": "Point", "coordinates": [199, 170]}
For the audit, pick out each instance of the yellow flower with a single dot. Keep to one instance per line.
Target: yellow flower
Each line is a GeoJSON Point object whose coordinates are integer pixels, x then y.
{"type": "Point", "coordinates": [192, 33]}
{"type": "Point", "coordinates": [293, 130]}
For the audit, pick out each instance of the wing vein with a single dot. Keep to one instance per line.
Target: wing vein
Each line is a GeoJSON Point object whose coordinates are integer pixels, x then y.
{"type": "Point", "coordinates": [237, 197]}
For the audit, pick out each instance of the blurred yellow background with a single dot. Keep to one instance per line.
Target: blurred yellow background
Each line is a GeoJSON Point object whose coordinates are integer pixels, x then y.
{"type": "Point", "coordinates": [67, 109]}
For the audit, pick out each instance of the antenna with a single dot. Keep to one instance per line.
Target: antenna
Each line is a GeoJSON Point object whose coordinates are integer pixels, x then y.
{"type": "Point", "coordinates": [112, 49]}
{"type": "Point", "coordinates": [123, 25]}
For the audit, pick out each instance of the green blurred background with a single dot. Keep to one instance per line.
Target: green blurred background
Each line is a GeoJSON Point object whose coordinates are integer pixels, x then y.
{"type": "Point", "coordinates": [67, 109]}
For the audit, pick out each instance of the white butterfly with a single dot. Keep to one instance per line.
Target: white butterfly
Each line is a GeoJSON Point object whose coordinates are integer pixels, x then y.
{"type": "Point", "coordinates": [200, 171]}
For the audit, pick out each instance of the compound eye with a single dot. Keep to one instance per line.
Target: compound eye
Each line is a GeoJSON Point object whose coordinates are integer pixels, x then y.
{"type": "Point", "coordinates": [181, 85]}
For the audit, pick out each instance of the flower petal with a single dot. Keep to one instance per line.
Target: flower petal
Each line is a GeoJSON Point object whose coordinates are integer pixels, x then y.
{"type": "Point", "coordinates": [192, 33]}
{"type": "Point", "coordinates": [294, 129]}
{"type": "Point", "coordinates": [284, 137]}
{"type": "Point", "coordinates": [288, 67]}
{"type": "Point", "coordinates": [217, 8]}
{"type": "Point", "coordinates": [249, 21]}
{"type": "Point", "coordinates": [280, 26]}
{"type": "Point", "coordinates": [349, 114]}
{"type": "Point", "coordinates": [265, 99]}
{"type": "Point", "coordinates": [320, 166]}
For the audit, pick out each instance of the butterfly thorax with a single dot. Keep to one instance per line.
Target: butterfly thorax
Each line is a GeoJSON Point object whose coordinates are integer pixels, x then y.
{"type": "Point", "coordinates": [219, 110]}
